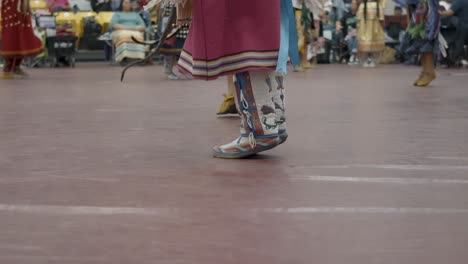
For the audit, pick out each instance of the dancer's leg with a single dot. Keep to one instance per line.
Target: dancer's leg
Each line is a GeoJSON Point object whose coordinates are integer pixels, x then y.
{"type": "Point", "coordinates": [8, 67]}
{"type": "Point", "coordinates": [259, 128]}
{"type": "Point", "coordinates": [428, 69]}
{"type": "Point", "coordinates": [279, 100]}
{"type": "Point", "coordinates": [228, 106]}
{"type": "Point", "coordinates": [17, 68]}
{"type": "Point", "coordinates": [169, 61]}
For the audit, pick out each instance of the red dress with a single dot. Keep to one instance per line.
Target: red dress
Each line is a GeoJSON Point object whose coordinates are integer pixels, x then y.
{"type": "Point", "coordinates": [18, 39]}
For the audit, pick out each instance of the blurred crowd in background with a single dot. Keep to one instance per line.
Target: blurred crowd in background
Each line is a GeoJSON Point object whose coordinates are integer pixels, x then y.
{"type": "Point", "coordinates": [328, 31]}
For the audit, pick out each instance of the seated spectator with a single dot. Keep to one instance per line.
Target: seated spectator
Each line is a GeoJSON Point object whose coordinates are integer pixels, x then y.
{"type": "Point", "coordinates": [58, 5]}
{"type": "Point", "coordinates": [396, 23]}
{"type": "Point", "coordinates": [101, 5]}
{"type": "Point", "coordinates": [124, 25]}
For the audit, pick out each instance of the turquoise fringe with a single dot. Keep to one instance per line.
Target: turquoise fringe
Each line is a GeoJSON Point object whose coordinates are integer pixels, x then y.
{"type": "Point", "coordinates": [289, 39]}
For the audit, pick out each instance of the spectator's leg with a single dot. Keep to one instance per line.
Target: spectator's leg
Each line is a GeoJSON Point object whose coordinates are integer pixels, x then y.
{"type": "Point", "coordinates": [354, 45]}
{"type": "Point", "coordinates": [364, 59]}
{"type": "Point", "coordinates": [167, 60]}
{"type": "Point", "coordinates": [372, 59]}
{"type": "Point", "coordinates": [107, 52]}
{"type": "Point", "coordinates": [353, 48]}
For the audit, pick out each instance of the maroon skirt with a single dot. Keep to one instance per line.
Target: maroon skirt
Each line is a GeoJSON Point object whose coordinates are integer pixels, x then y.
{"type": "Point", "coordinates": [231, 36]}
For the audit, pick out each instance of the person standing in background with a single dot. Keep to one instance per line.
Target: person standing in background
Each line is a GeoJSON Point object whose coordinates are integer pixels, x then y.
{"type": "Point", "coordinates": [18, 38]}
{"type": "Point", "coordinates": [305, 25]}
{"type": "Point", "coordinates": [371, 36]}
{"type": "Point", "coordinates": [172, 46]}
{"type": "Point", "coordinates": [317, 9]}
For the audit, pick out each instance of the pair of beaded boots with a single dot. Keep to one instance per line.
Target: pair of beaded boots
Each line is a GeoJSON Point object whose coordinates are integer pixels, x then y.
{"type": "Point", "coordinates": [261, 103]}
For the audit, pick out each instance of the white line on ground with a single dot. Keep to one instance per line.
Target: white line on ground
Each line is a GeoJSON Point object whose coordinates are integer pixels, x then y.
{"type": "Point", "coordinates": [365, 210]}
{"type": "Point", "coordinates": [377, 179]}
{"type": "Point", "coordinates": [105, 211]}
{"type": "Point", "coordinates": [394, 167]}
{"type": "Point", "coordinates": [63, 259]}
{"type": "Point", "coordinates": [10, 246]}
{"type": "Point", "coordinates": [458, 74]}
{"type": "Point", "coordinates": [53, 178]}
{"type": "Point", "coordinates": [448, 158]}
{"type": "Point", "coordinates": [85, 210]}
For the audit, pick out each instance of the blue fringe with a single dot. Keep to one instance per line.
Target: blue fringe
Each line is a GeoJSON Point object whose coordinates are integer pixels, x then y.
{"type": "Point", "coordinates": [289, 39]}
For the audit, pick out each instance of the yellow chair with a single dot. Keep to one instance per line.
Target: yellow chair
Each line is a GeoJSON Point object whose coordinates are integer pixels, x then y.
{"type": "Point", "coordinates": [76, 20]}
{"type": "Point", "coordinates": [80, 16]}
{"type": "Point", "coordinates": [66, 17]}
{"type": "Point", "coordinates": [38, 5]}
{"type": "Point", "coordinates": [104, 18]}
